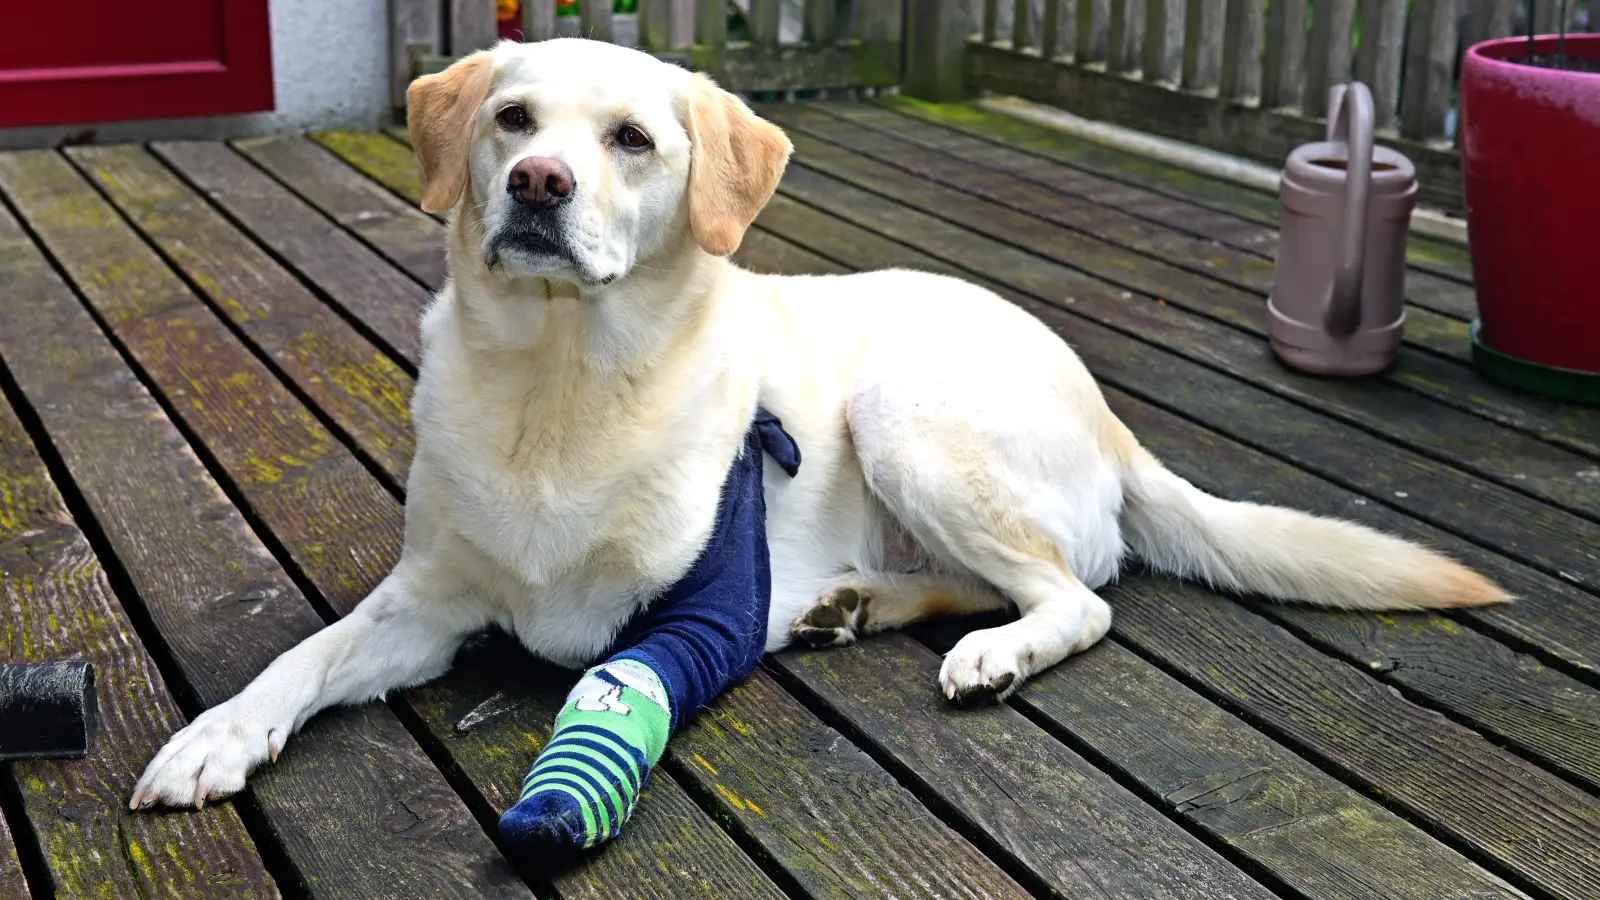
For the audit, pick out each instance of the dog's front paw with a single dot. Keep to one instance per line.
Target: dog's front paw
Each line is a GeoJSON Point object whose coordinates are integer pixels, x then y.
{"type": "Point", "coordinates": [982, 667]}
{"type": "Point", "coordinates": [209, 759]}
{"type": "Point", "coordinates": [838, 619]}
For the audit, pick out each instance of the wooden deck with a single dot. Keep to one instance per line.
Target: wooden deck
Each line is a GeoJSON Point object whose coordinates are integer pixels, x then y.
{"type": "Point", "coordinates": [207, 352]}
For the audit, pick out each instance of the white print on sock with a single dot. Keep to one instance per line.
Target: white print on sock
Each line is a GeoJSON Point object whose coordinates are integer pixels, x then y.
{"type": "Point", "coordinates": [594, 694]}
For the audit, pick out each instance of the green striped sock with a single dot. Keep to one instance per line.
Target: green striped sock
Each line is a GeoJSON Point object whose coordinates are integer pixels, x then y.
{"type": "Point", "coordinates": [586, 781]}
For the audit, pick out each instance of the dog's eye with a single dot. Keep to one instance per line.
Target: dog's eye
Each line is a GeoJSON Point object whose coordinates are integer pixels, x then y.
{"type": "Point", "coordinates": [632, 138]}
{"type": "Point", "coordinates": [512, 118]}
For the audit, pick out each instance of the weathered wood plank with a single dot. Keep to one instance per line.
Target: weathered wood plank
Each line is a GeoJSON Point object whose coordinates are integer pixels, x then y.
{"type": "Point", "coordinates": [1543, 712]}
{"type": "Point", "coordinates": [1250, 269]}
{"type": "Point", "coordinates": [1043, 805]}
{"type": "Point", "coordinates": [1380, 54]}
{"type": "Point", "coordinates": [1241, 50]}
{"type": "Point", "coordinates": [472, 26]}
{"type": "Point", "coordinates": [1429, 68]}
{"type": "Point", "coordinates": [1227, 779]}
{"type": "Point", "coordinates": [821, 21]}
{"type": "Point", "coordinates": [711, 24]}
{"type": "Point", "coordinates": [1442, 257]}
{"type": "Point", "coordinates": [848, 64]}
{"type": "Point", "coordinates": [1569, 629]}
{"type": "Point", "coordinates": [12, 882]}
{"type": "Point", "coordinates": [338, 524]}
{"type": "Point", "coordinates": [317, 349]}
{"type": "Point", "coordinates": [1094, 32]}
{"type": "Point", "coordinates": [492, 714]}
{"type": "Point", "coordinates": [1163, 50]}
{"type": "Point", "coordinates": [225, 609]}
{"type": "Point", "coordinates": [1203, 38]}
{"type": "Point", "coordinates": [1432, 293]}
{"type": "Point", "coordinates": [806, 793]}
{"type": "Point", "coordinates": [992, 139]}
{"type": "Point", "coordinates": [1524, 819]}
{"type": "Point", "coordinates": [1488, 19]}
{"type": "Point", "coordinates": [936, 33]}
{"type": "Point", "coordinates": [58, 604]}
{"type": "Point", "coordinates": [366, 286]}
{"type": "Point", "coordinates": [1124, 36]}
{"type": "Point", "coordinates": [1283, 65]}
{"type": "Point", "coordinates": [594, 19]}
{"type": "Point", "coordinates": [539, 19]}
{"type": "Point", "coordinates": [762, 251]}
{"type": "Point", "coordinates": [899, 167]}
{"type": "Point", "coordinates": [1328, 63]}
{"type": "Point", "coordinates": [398, 230]}
{"type": "Point", "coordinates": [764, 20]}
{"type": "Point", "coordinates": [414, 32]}
{"type": "Point", "coordinates": [1568, 424]}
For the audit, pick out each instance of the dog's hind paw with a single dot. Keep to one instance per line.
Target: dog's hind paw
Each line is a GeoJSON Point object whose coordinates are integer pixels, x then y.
{"type": "Point", "coordinates": [838, 620]}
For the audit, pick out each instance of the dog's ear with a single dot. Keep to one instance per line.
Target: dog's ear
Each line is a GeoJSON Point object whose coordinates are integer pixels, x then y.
{"type": "Point", "coordinates": [735, 163]}
{"type": "Point", "coordinates": [439, 112]}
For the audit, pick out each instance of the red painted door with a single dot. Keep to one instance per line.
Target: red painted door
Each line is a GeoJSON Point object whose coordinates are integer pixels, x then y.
{"type": "Point", "coordinates": [70, 61]}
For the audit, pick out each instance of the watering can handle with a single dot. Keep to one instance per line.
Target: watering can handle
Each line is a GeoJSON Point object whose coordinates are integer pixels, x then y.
{"type": "Point", "coordinates": [1350, 123]}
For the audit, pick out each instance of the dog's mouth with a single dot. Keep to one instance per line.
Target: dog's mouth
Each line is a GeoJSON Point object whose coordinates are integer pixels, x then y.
{"type": "Point", "coordinates": [531, 243]}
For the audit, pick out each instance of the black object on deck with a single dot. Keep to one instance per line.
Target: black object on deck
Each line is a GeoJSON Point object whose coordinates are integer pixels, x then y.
{"type": "Point", "coordinates": [47, 710]}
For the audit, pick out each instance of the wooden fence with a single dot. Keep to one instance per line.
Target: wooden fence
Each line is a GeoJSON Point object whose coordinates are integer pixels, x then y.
{"type": "Point", "coordinates": [773, 46]}
{"type": "Point", "coordinates": [1248, 77]}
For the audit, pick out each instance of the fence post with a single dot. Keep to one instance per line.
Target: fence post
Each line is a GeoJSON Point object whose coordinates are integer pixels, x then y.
{"type": "Point", "coordinates": [472, 26]}
{"type": "Point", "coordinates": [1332, 25]}
{"type": "Point", "coordinates": [1241, 49]}
{"type": "Point", "coordinates": [1383, 33]}
{"type": "Point", "coordinates": [413, 34]}
{"type": "Point", "coordinates": [936, 44]}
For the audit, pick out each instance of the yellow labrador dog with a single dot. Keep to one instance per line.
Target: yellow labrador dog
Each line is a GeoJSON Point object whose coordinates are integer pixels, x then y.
{"type": "Point", "coordinates": [593, 364]}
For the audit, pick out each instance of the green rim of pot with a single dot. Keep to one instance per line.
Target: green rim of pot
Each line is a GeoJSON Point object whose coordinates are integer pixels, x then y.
{"type": "Point", "coordinates": [1562, 384]}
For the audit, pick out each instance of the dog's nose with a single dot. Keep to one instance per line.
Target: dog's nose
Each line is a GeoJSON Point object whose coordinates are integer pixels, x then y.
{"type": "Point", "coordinates": [541, 182]}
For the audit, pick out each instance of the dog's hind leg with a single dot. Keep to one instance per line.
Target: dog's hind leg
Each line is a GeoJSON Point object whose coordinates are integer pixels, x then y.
{"type": "Point", "coordinates": [1011, 488]}
{"type": "Point", "coordinates": [860, 603]}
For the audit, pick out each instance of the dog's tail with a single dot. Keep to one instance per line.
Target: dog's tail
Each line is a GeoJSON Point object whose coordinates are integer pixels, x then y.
{"type": "Point", "coordinates": [1279, 553]}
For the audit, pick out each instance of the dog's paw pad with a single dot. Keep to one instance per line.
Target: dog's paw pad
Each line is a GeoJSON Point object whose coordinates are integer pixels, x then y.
{"type": "Point", "coordinates": [836, 621]}
{"type": "Point", "coordinates": [974, 695]}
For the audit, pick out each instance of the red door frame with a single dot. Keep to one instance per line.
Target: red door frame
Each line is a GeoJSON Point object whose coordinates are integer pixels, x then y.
{"type": "Point", "coordinates": [239, 80]}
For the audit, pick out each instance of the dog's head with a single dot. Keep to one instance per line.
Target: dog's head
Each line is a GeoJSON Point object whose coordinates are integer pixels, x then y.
{"type": "Point", "coordinates": [583, 159]}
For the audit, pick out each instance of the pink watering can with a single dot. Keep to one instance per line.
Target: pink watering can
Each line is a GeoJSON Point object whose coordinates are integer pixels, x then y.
{"type": "Point", "coordinates": [1339, 286]}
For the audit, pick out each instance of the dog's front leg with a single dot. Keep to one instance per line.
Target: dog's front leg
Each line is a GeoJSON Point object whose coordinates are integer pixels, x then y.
{"type": "Point", "coordinates": [405, 632]}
